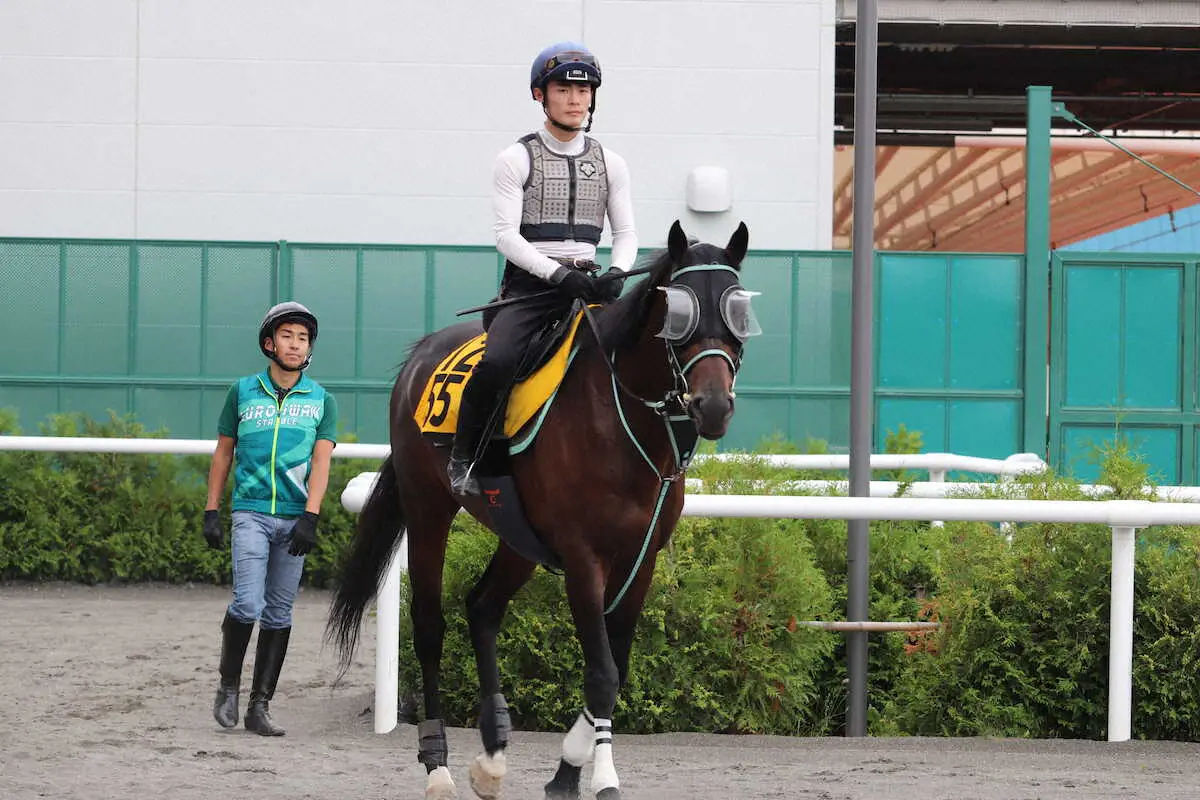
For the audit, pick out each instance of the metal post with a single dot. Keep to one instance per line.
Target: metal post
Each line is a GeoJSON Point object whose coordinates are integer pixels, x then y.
{"type": "Point", "coordinates": [1039, 110]}
{"type": "Point", "coordinates": [1120, 629]}
{"type": "Point", "coordinates": [937, 476]}
{"type": "Point", "coordinates": [862, 348]}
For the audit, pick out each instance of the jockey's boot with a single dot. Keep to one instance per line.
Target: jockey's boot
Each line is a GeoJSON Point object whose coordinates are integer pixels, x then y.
{"type": "Point", "coordinates": [235, 636]}
{"type": "Point", "coordinates": [268, 661]}
{"type": "Point", "coordinates": [478, 400]}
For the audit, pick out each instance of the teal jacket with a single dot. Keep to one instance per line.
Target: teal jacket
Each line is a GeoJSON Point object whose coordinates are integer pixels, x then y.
{"type": "Point", "coordinates": [275, 439]}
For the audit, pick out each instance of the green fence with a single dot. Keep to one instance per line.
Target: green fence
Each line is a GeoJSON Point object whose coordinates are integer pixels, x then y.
{"type": "Point", "coordinates": [162, 328]}
{"type": "Point", "coordinates": [1123, 360]}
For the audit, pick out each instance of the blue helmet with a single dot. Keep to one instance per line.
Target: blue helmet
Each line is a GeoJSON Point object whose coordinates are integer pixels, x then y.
{"type": "Point", "coordinates": [564, 61]}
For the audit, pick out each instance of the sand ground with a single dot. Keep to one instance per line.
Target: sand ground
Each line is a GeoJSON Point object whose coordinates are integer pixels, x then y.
{"type": "Point", "coordinates": [105, 693]}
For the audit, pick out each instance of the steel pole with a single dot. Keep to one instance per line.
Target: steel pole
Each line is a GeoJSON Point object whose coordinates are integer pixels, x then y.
{"type": "Point", "coordinates": [862, 348]}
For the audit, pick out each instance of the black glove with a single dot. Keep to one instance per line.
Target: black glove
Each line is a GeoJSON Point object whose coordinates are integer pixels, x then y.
{"type": "Point", "coordinates": [608, 285]}
{"type": "Point", "coordinates": [573, 283]}
{"type": "Point", "coordinates": [212, 529]}
{"type": "Point", "coordinates": [304, 534]}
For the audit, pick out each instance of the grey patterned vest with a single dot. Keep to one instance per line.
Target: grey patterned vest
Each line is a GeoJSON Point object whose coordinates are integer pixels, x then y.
{"type": "Point", "coordinates": [565, 196]}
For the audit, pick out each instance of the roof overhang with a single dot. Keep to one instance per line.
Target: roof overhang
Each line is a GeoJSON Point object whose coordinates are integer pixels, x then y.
{"type": "Point", "coordinates": [969, 197]}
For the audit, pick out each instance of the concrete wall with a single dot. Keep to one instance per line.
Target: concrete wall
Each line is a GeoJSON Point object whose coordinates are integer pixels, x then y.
{"type": "Point", "coordinates": [378, 120]}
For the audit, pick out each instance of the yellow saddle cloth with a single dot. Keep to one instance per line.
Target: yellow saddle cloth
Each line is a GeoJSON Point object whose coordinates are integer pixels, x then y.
{"type": "Point", "coordinates": [438, 410]}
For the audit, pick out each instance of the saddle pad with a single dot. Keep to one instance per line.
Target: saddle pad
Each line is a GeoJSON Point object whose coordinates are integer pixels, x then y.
{"type": "Point", "coordinates": [437, 413]}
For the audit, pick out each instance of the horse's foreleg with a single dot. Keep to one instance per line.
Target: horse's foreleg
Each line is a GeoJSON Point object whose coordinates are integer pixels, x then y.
{"type": "Point", "coordinates": [585, 592]}
{"type": "Point", "coordinates": [486, 605]}
{"type": "Point", "coordinates": [426, 554]}
{"type": "Point", "coordinates": [579, 745]}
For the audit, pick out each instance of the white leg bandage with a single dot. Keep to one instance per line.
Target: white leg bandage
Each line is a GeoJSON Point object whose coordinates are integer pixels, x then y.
{"type": "Point", "coordinates": [604, 774]}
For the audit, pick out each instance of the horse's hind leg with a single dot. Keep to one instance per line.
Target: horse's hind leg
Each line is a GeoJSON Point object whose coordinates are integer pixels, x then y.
{"type": "Point", "coordinates": [486, 604]}
{"type": "Point", "coordinates": [428, 529]}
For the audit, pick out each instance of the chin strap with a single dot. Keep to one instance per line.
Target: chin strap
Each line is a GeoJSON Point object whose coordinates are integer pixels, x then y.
{"type": "Point", "coordinates": [303, 366]}
{"type": "Point", "coordinates": [586, 128]}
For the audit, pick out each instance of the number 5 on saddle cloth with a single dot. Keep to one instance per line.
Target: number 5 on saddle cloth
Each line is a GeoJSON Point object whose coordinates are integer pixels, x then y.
{"type": "Point", "coordinates": [546, 360]}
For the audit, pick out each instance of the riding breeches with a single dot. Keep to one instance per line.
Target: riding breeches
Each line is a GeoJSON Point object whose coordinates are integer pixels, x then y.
{"type": "Point", "coordinates": [510, 328]}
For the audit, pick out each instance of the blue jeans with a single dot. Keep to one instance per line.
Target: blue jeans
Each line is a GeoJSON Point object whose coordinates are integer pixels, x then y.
{"type": "Point", "coordinates": [265, 577]}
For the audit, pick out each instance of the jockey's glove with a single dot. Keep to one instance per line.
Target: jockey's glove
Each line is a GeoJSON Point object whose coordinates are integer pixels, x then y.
{"type": "Point", "coordinates": [304, 534]}
{"type": "Point", "coordinates": [608, 285]}
{"type": "Point", "coordinates": [212, 529]}
{"type": "Point", "coordinates": [573, 283]}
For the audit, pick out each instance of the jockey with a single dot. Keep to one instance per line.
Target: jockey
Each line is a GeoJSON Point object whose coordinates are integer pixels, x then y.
{"type": "Point", "coordinates": [551, 192]}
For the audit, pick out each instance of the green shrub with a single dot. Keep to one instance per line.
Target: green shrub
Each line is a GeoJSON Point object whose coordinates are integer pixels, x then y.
{"type": "Point", "coordinates": [716, 649]}
{"type": "Point", "coordinates": [103, 517]}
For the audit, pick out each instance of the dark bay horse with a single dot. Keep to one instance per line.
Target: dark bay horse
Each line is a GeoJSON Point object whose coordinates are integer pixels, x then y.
{"type": "Point", "coordinates": [601, 484]}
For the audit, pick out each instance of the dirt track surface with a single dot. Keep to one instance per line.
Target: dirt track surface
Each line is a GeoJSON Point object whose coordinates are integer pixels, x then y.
{"type": "Point", "coordinates": [106, 693]}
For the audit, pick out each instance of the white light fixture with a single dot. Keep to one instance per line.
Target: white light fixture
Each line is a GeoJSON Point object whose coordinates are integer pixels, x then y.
{"type": "Point", "coordinates": [708, 190]}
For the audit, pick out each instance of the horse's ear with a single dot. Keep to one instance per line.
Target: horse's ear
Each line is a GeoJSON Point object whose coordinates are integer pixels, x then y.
{"type": "Point", "coordinates": [735, 251]}
{"type": "Point", "coordinates": [677, 243]}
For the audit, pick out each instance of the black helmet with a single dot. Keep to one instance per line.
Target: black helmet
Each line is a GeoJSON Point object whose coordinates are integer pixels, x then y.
{"type": "Point", "coordinates": [290, 311]}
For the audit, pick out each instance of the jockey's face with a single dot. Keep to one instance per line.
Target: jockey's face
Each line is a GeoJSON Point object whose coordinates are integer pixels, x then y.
{"type": "Point", "coordinates": [567, 103]}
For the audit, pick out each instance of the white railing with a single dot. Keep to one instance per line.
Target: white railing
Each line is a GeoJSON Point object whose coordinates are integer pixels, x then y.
{"type": "Point", "coordinates": [1122, 516]}
{"type": "Point", "coordinates": [937, 464]}
{"type": "Point", "coordinates": [176, 447]}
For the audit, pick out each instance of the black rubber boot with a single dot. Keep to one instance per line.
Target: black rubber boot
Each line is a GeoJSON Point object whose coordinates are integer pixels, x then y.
{"type": "Point", "coordinates": [478, 400]}
{"type": "Point", "coordinates": [235, 636]}
{"type": "Point", "coordinates": [268, 661]}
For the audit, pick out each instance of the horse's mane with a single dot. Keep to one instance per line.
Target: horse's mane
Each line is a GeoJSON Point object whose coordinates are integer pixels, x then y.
{"type": "Point", "coordinates": [621, 322]}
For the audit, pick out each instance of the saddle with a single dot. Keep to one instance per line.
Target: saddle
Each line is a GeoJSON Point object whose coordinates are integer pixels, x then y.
{"type": "Point", "coordinates": [542, 369]}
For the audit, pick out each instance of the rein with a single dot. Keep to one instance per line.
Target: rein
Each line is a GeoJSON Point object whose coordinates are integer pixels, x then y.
{"type": "Point", "coordinates": [680, 428]}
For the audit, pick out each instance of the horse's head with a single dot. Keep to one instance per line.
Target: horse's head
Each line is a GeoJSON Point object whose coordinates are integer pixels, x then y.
{"type": "Point", "coordinates": [706, 320]}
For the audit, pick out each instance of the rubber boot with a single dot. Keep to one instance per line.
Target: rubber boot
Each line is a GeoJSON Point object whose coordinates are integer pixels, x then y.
{"type": "Point", "coordinates": [235, 637]}
{"type": "Point", "coordinates": [268, 661]}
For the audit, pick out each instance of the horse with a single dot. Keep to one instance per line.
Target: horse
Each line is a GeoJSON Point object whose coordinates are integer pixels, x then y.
{"type": "Point", "coordinates": [602, 485]}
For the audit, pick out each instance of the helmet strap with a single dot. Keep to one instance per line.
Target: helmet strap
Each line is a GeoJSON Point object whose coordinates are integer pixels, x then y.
{"type": "Point", "coordinates": [586, 128]}
{"type": "Point", "coordinates": [303, 366]}
{"type": "Point", "coordinates": [559, 125]}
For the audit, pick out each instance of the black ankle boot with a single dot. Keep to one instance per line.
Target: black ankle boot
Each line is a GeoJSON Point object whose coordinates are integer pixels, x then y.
{"type": "Point", "coordinates": [235, 636]}
{"type": "Point", "coordinates": [268, 661]}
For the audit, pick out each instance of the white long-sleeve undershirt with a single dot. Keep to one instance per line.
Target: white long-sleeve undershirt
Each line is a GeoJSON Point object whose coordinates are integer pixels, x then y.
{"type": "Point", "coordinates": [508, 197]}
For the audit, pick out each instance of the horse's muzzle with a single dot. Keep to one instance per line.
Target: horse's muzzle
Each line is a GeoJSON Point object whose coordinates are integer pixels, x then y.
{"type": "Point", "coordinates": [711, 411]}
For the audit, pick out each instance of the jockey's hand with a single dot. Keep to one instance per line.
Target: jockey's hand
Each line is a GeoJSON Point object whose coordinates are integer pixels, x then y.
{"type": "Point", "coordinates": [608, 285]}
{"type": "Point", "coordinates": [212, 529]}
{"type": "Point", "coordinates": [573, 283]}
{"type": "Point", "coordinates": [304, 534]}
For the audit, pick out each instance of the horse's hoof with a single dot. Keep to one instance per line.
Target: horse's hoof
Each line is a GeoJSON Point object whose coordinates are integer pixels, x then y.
{"type": "Point", "coordinates": [440, 785]}
{"type": "Point", "coordinates": [610, 793]}
{"type": "Point", "coordinates": [487, 775]}
{"type": "Point", "coordinates": [565, 785]}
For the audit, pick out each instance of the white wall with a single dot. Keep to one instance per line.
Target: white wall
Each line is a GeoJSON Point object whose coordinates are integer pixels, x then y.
{"type": "Point", "coordinates": [378, 120]}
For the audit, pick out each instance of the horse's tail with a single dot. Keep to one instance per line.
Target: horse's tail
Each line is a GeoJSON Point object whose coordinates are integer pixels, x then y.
{"type": "Point", "coordinates": [380, 528]}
